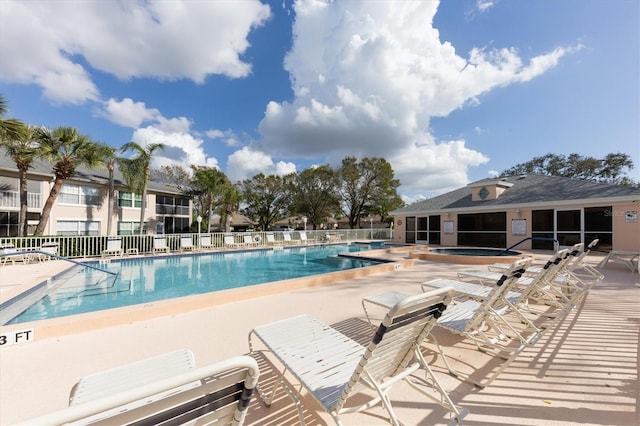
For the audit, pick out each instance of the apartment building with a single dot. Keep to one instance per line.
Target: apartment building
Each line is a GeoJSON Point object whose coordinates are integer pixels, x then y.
{"type": "Point", "coordinates": [82, 205]}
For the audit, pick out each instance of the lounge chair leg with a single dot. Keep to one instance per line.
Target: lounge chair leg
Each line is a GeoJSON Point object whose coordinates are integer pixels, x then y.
{"type": "Point", "coordinates": [294, 398]}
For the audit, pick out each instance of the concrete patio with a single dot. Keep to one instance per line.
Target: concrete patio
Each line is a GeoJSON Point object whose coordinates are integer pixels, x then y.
{"type": "Point", "coordinates": [584, 372]}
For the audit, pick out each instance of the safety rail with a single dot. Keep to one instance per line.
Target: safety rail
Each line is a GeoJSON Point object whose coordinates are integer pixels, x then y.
{"type": "Point", "coordinates": [93, 246]}
{"type": "Point", "coordinates": [556, 243]}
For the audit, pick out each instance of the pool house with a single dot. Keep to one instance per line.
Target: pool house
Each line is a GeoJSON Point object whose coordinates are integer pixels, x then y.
{"type": "Point", "coordinates": [528, 211]}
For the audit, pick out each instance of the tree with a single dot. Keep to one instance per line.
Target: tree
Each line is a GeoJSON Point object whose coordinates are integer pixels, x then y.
{"type": "Point", "coordinates": [207, 187]}
{"type": "Point", "coordinates": [137, 171]}
{"type": "Point", "coordinates": [367, 187]}
{"type": "Point", "coordinates": [22, 149]}
{"type": "Point", "coordinates": [17, 139]}
{"type": "Point", "coordinates": [314, 194]}
{"type": "Point", "coordinates": [66, 149]}
{"type": "Point", "coordinates": [10, 128]}
{"type": "Point", "coordinates": [267, 198]}
{"type": "Point", "coordinates": [110, 160]}
{"type": "Point", "coordinates": [611, 169]}
{"type": "Point", "coordinates": [173, 175]}
{"type": "Point", "coordinates": [230, 197]}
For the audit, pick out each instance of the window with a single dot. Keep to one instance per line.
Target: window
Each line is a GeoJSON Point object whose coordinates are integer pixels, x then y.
{"type": "Point", "coordinates": [131, 228]}
{"type": "Point", "coordinates": [178, 206]}
{"type": "Point", "coordinates": [422, 229]}
{"type": "Point", "coordinates": [542, 230]}
{"type": "Point", "coordinates": [129, 199]}
{"type": "Point", "coordinates": [77, 227]}
{"type": "Point", "coordinates": [598, 223]}
{"type": "Point", "coordinates": [79, 195]}
{"type": "Point", "coordinates": [175, 225]}
{"type": "Point", "coordinates": [434, 229]}
{"type": "Point", "coordinates": [410, 232]}
{"type": "Point", "coordinates": [9, 223]}
{"type": "Point", "coordinates": [482, 229]}
{"type": "Point", "coordinates": [428, 229]}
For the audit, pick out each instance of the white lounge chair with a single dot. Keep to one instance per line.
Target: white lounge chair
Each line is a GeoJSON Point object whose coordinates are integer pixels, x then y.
{"type": "Point", "coordinates": [624, 257]}
{"type": "Point", "coordinates": [114, 247]}
{"type": "Point", "coordinates": [186, 243]}
{"type": "Point", "coordinates": [271, 239]}
{"type": "Point", "coordinates": [160, 245]}
{"type": "Point", "coordinates": [333, 368]}
{"type": "Point", "coordinates": [483, 322]}
{"type": "Point", "coordinates": [230, 241]}
{"type": "Point", "coordinates": [12, 254]}
{"type": "Point", "coordinates": [205, 242]}
{"type": "Point", "coordinates": [162, 390]}
{"type": "Point", "coordinates": [540, 287]}
{"type": "Point", "coordinates": [247, 240]}
{"type": "Point", "coordinates": [49, 248]}
{"type": "Point", "coordinates": [581, 270]}
{"type": "Point", "coordinates": [303, 238]}
{"type": "Point", "coordinates": [286, 238]}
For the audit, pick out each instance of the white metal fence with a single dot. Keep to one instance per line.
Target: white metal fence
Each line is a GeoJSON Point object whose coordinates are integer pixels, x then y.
{"type": "Point", "coordinates": [92, 246]}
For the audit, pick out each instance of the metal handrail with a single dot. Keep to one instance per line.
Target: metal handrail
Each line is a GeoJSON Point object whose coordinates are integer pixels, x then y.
{"type": "Point", "coordinates": [556, 243]}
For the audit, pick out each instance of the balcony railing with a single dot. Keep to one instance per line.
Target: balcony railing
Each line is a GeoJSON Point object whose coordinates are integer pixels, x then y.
{"type": "Point", "coordinates": [92, 246]}
{"type": "Point", "coordinates": [12, 199]}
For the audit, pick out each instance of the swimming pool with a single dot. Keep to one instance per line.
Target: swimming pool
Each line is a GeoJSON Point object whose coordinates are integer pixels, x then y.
{"type": "Point", "coordinates": [145, 280]}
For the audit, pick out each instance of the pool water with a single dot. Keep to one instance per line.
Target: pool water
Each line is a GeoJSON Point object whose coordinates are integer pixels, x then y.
{"type": "Point", "coordinates": [144, 280]}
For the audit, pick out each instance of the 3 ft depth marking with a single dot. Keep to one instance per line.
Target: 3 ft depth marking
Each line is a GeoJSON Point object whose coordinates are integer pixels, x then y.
{"type": "Point", "coordinates": [15, 337]}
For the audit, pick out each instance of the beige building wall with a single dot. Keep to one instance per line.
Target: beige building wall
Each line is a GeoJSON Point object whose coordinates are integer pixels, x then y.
{"type": "Point", "coordinates": [515, 221]}
{"type": "Point", "coordinates": [399, 229]}
{"type": "Point", "coordinates": [626, 227]}
{"type": "Point", "coordinates": [447, 240]}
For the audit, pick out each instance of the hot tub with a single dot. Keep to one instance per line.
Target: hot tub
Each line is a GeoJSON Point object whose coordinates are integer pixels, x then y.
{"type": "Point", "coordinates": [468, 255]}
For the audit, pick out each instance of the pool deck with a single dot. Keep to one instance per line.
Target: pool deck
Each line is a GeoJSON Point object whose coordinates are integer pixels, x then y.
{"type": "Point", "coordinates": [584, 372]}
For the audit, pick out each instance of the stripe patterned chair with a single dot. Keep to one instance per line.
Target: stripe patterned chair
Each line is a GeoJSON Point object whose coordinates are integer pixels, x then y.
{"type": "Point", "coordinates": [333, 368]}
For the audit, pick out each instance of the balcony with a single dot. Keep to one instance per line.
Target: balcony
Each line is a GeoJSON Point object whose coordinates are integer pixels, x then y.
{"type": "Point", "coordinates": [12, 199]}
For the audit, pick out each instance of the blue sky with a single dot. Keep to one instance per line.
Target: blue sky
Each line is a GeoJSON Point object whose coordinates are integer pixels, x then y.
{"type": "Point", "coordinates": [448, 92]}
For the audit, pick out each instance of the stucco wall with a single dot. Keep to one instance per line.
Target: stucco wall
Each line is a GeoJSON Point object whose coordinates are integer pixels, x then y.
{"type": "Point", "coordinates": [626, 227]}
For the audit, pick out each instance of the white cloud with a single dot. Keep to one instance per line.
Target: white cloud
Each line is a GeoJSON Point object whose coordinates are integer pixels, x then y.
{"type": "Point", "coordinates": [246, 163]}
{"type": "Point", "coordinates": [369, 76]}
{"type": "Point", "coordinates": [181, 148]}
{"type": "Point", "coordinates": [129, 39]}
{"type": "Point", "coordinates": [435, 168]}
{"type": "Point", "coordinates": [229, 138]}
{"type": "Point", "coordinates": [128, 113]}
{"type": "Point", "coordinates": [484, 5]}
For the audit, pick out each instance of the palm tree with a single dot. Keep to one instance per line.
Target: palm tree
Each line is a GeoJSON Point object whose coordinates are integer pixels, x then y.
{"type": "Point", "coordinates": [10, 128]}
{"type": "Point", "coordinates": [23, 151]}
{"type": "Point", "coordinates": [137, 171]}
{"type": "Point", "coordinates": [66, 149]}
{"type": "Point", "coordinates": [110, 160]}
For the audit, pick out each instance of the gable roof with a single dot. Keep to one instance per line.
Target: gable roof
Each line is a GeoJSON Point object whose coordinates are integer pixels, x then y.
{"type": "Point", "coordinates": [99, 176]}
{"type": "Point", "coordinates": [526, 190]}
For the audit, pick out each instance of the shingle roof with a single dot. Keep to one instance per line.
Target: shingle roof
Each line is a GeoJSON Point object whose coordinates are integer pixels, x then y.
{"type": "Point", "coordinates": [526, 189]}
{"type": "Point", "coordinates": [100, 176]}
